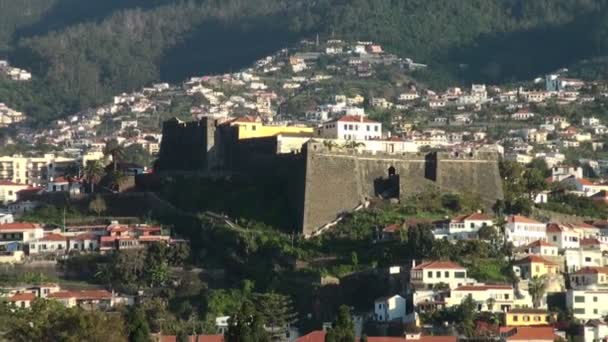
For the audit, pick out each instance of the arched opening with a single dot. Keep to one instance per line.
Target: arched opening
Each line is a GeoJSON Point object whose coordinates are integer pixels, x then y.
{"type": "Point", "coordinates": [391, 171]}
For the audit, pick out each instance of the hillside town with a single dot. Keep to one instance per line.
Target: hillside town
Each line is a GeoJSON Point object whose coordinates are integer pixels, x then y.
{"type": "Point", "coordinates": [545, 241]}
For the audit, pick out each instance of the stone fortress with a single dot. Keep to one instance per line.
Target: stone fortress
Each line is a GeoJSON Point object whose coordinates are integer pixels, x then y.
{"type": "Point", "coordinates": [324, 180]}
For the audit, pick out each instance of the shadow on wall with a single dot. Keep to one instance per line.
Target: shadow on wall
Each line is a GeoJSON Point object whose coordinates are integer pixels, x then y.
{"type": "Point", "coordinates": [388, 187]}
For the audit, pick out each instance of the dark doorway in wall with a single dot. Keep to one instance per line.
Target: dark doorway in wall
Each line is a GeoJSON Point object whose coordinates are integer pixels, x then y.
{"type": "Point", "coordinates": [388, 187]}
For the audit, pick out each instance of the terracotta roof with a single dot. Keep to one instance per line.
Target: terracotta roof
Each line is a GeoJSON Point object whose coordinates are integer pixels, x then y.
{"type": "Point", "coordinates": [589, 242]}
{"type": "Point", "coordinates": [458, 219]}
{"type": "Point", "coordinates": [484, 287]}
{"type": "Point", "coordinates": [28, 296]}
{"type": "Point", "coordinates": [534, 259]}
{"type": "Point", "coordinates": [355, 118]}
{"type": "Point", "coordinates": [541, 243]}
{"type": "Point", "coordinates": [85, 294]}
{"type": "Point", "coordinates": [531, 334]}
{"type": "Point", "coordinates": [584, 181]}
{"type": "Point", "coordinates": [246, 119]}
{"type": "Point", "coordinates": [53, 237]}
{"type": "Point", "coordinates": [553, 228]}
{"type": "Point", "coordinates": [592, 270]}
{"type": "Point", "coordinates": [521, 219]}
{"type": "Point", "coordinates": [392, 228]}
{"type": "Point", "coordinates": [85, 236]}
{"type": "Point", "coordinates": [528, 311]}
{"type": "Point", "coordinates": [18, 226]}
{"type": "Point", "coordinates": [438, 265]}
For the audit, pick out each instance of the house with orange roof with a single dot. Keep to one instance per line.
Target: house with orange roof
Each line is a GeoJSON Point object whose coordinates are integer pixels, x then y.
{"type": "Point", "coordinates": [590, 278]}
{"type": "Point", "coordinates": [20, 232]}
{"type": "Point", "coordinates": [319, 336]}
{"type": "Point", "coordinates": [429, 275]}
{"type": "Point", "coordinates": [49, 243]}
{"type": "Point", "coordinates": [584, 186]}
{"type": "Point", "coordinates": [100, 299]}
{"type": "Point", "coordinates": [563, 236]}
{"type": "Point", "coordinates": [530, 334]}
{"type": "Point", "coordinates": [522, 230]}
{"type": "Point", "coordinates": [534, 266]}
{"type": "Point", "coordinates": [541, 248]}
{"type": "Point", "coordinates": [22, 300]}
{"type": "Point", "coordinates": [487, 297]}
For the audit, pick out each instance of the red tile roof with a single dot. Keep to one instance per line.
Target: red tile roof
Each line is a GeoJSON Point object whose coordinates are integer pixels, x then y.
{"type": "Point", "coordinates": [541, 243]}
{"type": "Point", "coordinates": [554, 228]}
{"type": "Point", "coordinates": [20, 297]}
{"type": "Point", "coordinates": [478, 217]}
{"type": "Point", "coordinates": [534, 259]}
{"type": "Point", "coordinates": [53, 237]}
{"type": "Point", "coordinates": [18, 226]}
{"type": "Point", "coordinates": [590, 242]}
{"type": "Point", "coordinates": [484, 287]}
{"type": "Point", "coordinates": [521, 219]}
{"type": "Point", "coordinates": [246, 119]}
{"type": "Point", "coordinates": [438, 265]}
{"type": "Point", "coordinates": [592, 270]}
{"type": "Point", "coordinates": [85, 236]}
{"type": "Point", "coordinates": [531, 334]}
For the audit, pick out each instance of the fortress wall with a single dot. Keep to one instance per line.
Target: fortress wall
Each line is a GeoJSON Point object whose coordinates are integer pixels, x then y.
{"type": "Point", "coordinates": [338, 180]}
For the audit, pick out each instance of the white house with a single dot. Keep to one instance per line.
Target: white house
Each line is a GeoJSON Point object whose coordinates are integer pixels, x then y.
{"type": "Point", "coordinates": [462, 227]}
{"type": "Point", "coordinates": [595, 330]}
{"type": "Point", "coordinates": [387, 309]}
{"type": "Point", "coordinates": [522, 231]}
{"type": "Point", "coordinates": [429, 274]}
{"type": "Point", "coordinates": [589, 278]}
{"type": "Point", "coordinates": [587, 304]}
{"type": "Point", "coordinates": [582, 257]}
{"type": "Point", "coordinates": [542, 248]}
{"type": "Point", "coordinates": [563, 236]}
{"type": "Point", "coordinates": [9, 190]}
{"type": "Point", "coordinates": [350, 127]}
{"type": "Point", "coordinates": [21, 232]}
{"type": "Point", "coordinates": [50, 243]}
{"type": "Point", "coordinates": [493, 298]}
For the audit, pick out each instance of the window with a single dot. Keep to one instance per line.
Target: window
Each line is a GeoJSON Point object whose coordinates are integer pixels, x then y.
{"type": "Point", "coordinates": [595, 299]}
{"type": "Point", "coordinates": [346, 127]}
{"type": "Point", "coordinates": [350, 127]}
{"type": "Point", "coordinates": [368, 128]}
{"type": "Point", "coordinates": [506, 296]}
{"type": "Point", "coordinates": [554, 238]}
{"type": "Point", "coordinates": [447, 274]}
{"type": "Point", "coordinates": [536, 318]}
{"type": "Point", "coordinates": [375, 128]}
{"type": "Point", "coordinates": [515, 318]}
{"type": "Point", "coordinates": [537, 268]}
{"type": "Point", "coordinates": [438, 274]}
{"type": "Point", "coordinates": [579, 299]}
{"type": "Point", "coordinates": [430, 274]}
{"type": "Point", "coordinates": [459, 275]}
{"type": "Point", "coordinates": [595, 311]}
{"type": "Point", "coordinates": [587, 259]}
{"type": "Point", "coordinates": [579, 311]}
{"type": "Point", "coordinates": [526, 318]}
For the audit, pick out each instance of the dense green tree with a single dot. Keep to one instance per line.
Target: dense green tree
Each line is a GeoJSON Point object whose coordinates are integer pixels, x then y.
{"type": "Point", "coordinates": [246, 325]}
{"type": "Point", "coordinates": [92, 173]}
{"type": "Point", "coordinates": [137, 326]}
{"type": "Point", "coordinates": [343, 329]}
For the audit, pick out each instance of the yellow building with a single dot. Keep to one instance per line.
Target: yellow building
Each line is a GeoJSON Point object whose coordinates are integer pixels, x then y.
{"type": "Point", "coordinates": [535, 266]}
{"type": "Point", "coordinates": [250, 127]}
{"type": "Point", "coordinates": [527, 317]}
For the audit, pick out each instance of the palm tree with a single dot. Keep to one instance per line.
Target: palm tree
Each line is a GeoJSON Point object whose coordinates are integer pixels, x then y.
{"type": "Point", "coordinates": [537, 287]}
{"type": "Point", "coordinates": [93, 172]}
{"type": "Point", "coordinates": [115, 150]}
{"type": "Point", "coordinates": [116, 179]}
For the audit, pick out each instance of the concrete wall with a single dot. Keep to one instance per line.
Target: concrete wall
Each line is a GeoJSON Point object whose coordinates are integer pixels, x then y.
{"type": "Point", "coordinates": [338, 180]}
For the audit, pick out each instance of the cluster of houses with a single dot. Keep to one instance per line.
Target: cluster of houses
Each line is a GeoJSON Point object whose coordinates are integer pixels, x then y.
{"type": "Point", "coordinates": [9, 116]}
{"type": "Point", "coordinates": [570, 260]}
{"type": "Point", "coordinates": [22, 296]}
{"type": "Point", "coordinates": [15, 74]}
{"type": "Point", "coordinates": [22, 240]}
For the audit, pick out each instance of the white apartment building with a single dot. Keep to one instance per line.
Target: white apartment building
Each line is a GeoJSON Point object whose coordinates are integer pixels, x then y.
{"type": "Point", "coordinates": [430, 274]}
{"type": "Point", "coordinates": [493, 298]}
{"type": "Point", "coordinates": [387, 309]}
{"type": "Point", "coordinates": [587, 304]}
{"type": "Point", "coordinates": [38, 170]}
{"type": "Point", "coordinates": [462, 227]}
{"type": "Point", "coordinates": [562, 236]}
{"type": "Point", "coordinates": [583, 257]}
{"type": "Point", "coordinates": [542, 248]}
{"type": "Point", "coordinates": [522, 231]}
{"type": "Point", "coordinates": [50, 243]}
{"type": "Point", "coordinates": [20, 232]}
{"type": "Point", "coordinates": [350, 127]}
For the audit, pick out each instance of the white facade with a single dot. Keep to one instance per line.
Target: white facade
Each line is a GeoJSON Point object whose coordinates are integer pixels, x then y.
{"type": "Point", "coordinates": [8, 191]}
{"type": "Point", "coordinates": [21, 232]}
{"type": "Point", "coordinates": [388, 309]}
{"type": "Point", "coordinates": [582, 257]}
{"type": "Point", "coordinates": [462, 227]}
{"type": "Point", "coordinates": [586, 304]}
{"type": "Point", "coordinates": [493, 298]}
{"type": "Point", "coordinates": [430, 274]}
{"type": "Point", "coordinates": [563, 237]}
{"type": "Point", "coordinates": [348, 127]}
{"type": "Point", "coordinates": [49, 244]}
{"type": "Point", "coordinates": [522, 231]}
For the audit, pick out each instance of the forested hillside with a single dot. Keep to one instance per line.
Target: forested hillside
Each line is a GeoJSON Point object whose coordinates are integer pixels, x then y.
{"type": "Point", "coordinates": [82, 52]}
